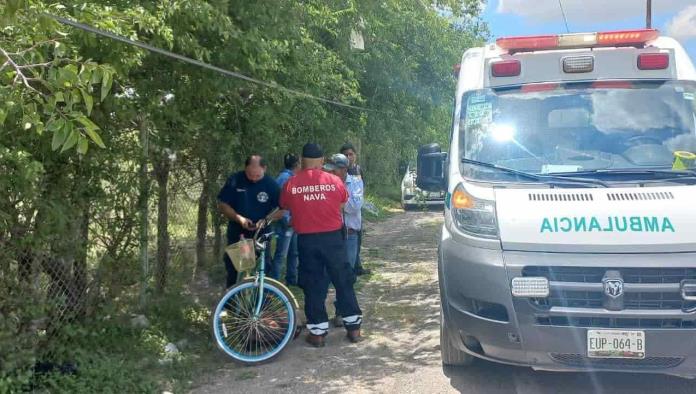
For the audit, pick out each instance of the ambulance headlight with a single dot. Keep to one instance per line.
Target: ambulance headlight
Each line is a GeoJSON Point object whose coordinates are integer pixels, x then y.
{"type": "Point", "coordinates": [530, 287]}
{"type": "Point", "coordinates": [473, 216]}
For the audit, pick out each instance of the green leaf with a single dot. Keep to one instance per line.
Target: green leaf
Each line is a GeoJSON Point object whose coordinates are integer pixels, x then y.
{"type": "Point", "coordinates": [107, 80]}
{"type": "Point", "coordinates": [71, 141]}
{"type": "Point", "coordinates": [59, 97]}
{"type": "Point", "coordinates": [96, 76]}
{"type": "Point", "coordinates": [85, 121]}
{"type": "Point", "coordinates": [82, 145]}
{"type": "Point", "coordinates": [96, 138]}
{"type": "Point", "coordinates": [3, 116]}
{"type": "Point", "coordinates": [89, 101]}
{"type": "Point", "coordinates": [55, 124]}
{"type": "Point", "coordinates": [59, 138]}
{"type": "Point", "coordinates": [91, 130]}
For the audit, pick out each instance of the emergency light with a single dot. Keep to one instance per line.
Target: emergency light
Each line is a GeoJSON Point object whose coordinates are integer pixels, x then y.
{"type": "Point", "coordinates": [581, 40]}
{"type": "Point", "coordinates": [653, 61]}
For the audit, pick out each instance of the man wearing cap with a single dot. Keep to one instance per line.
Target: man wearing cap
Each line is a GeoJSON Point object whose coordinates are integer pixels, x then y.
{"type": "Point", "coordinates": [338, 165]}
{"type": "Point", "coordinates": [315, 199]}
{"type": "Point", "coordinates": [355, 170]}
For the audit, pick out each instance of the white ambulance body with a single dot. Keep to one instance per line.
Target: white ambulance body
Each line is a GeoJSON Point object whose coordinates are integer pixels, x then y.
{"type": "Point", "coordinates": [569, 240]}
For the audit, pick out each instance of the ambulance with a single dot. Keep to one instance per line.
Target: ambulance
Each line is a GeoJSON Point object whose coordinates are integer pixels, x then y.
{"type": "Point", "coordinates": [569, 241]}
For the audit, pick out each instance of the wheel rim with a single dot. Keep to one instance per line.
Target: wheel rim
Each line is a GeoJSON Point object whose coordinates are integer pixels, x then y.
{"type": "Point", "coordinates": [246, 337]}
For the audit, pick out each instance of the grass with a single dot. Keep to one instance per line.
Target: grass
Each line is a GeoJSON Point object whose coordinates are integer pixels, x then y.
{"type": "Point", "coordinates": [387, 200]}
{"type": "Point", "coordinates": [113, 356]}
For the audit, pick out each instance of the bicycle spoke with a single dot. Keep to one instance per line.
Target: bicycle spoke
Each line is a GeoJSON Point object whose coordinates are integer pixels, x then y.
{"type": "Point", "coordinates": [274, 335]}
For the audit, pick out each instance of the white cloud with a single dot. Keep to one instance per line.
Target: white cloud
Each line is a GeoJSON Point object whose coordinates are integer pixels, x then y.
{"type": "Point", "coordinates": [583, 11]}
{"type": "Point", "coordinates": [683, 26]}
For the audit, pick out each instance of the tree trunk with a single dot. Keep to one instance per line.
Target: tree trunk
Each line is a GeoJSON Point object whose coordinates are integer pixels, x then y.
{"type": "Point", "coordinates": [217, 231]}
{"type": "Point", "coordinates": [216, 217]}
{"type": "Point", "coordinates": [80, 265]}
{"type": "Point", "coordinates": [143, 205]}
{"type": "Point", "coordinates": [162, 169]}
{"type": "Point", "coordinates": [202, 225]}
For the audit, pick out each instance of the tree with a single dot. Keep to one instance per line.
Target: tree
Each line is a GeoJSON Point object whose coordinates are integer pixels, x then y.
{"type": "Point", "coordinates": [75, 108]}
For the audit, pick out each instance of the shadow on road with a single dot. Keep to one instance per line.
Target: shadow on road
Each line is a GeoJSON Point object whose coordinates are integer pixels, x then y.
{"type": "Point", "coordinates": [492, 378]}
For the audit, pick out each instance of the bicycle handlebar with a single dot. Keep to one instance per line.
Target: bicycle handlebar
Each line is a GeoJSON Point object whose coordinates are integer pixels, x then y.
{"type": "Point", "coordinates": [265, 222]}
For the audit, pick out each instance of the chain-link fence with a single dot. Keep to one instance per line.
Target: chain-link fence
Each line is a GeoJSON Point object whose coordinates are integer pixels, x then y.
{"type": "Point", "coordinates": [144, 238]}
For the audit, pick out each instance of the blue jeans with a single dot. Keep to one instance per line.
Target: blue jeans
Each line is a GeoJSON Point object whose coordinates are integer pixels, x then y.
{"type": "Point", "coordinates": [286, 248]}
{"type": "Point", "coordinates": [352, 243]}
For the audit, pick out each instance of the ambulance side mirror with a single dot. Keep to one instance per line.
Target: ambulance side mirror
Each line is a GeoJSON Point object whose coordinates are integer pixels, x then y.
{"type": "Point", "coordinates": [430, 171]}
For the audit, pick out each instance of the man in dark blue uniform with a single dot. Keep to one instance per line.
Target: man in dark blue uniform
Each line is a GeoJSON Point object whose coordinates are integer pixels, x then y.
{"type": "Point", "coordinates": [247, 197]}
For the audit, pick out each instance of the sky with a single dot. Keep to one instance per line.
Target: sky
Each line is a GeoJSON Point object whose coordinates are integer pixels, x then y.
{"type": "Point", "coordinates": [675, 18]}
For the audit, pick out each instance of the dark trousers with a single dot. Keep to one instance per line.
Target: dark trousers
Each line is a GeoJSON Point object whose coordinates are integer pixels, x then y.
{"type": "Point", "coordinates": [324, 259]}
{"type": "Point", "coordinates": [358, 263]}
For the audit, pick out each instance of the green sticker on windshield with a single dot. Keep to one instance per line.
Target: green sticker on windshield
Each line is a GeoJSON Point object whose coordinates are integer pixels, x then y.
{"type": "Point", "coordinates": [479, 114]}
{"type": "Point", "coordinates": [476, 98]}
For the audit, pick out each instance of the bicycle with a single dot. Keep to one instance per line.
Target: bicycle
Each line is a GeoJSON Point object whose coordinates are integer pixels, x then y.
{"type": "Point", "coordinates": [257, 318]}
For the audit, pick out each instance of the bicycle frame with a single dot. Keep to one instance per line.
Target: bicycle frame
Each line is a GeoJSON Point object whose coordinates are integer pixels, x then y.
{"type": "Point", "coordinates": [260, 277]}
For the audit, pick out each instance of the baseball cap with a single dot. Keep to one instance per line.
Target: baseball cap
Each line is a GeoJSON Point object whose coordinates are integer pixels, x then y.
{"type": "Point", "coordinates": [312, 151]}
{"type": "Point", "coordinates": [337, 161]}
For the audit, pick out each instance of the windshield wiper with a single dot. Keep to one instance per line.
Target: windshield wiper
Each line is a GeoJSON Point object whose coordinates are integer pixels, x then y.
{"type": "Point", "coordinates": [547, 179]}
{"type": "Point", "coordinates": [640, 173]}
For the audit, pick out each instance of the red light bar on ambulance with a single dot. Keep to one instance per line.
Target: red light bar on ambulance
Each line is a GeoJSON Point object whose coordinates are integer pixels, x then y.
{"type": "Point", "coordinates": [581, 40]}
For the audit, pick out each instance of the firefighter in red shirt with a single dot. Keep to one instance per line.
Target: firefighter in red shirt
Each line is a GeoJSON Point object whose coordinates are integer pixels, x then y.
{"type": "Point", "coordinates": [315, 200]}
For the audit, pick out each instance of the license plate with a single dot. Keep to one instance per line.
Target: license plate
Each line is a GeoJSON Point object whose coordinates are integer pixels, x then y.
{"type": "Point", "coordinates": [615, 344]}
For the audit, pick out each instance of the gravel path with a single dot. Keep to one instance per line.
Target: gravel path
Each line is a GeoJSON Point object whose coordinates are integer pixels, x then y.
{"type": "Point", "coordinates": [400, 305]}
{"type": "Point", "coordinates": [401, 353]}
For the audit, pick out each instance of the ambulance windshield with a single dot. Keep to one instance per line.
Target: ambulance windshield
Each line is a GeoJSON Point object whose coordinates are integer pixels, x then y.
{"type": "Point", "coordinates": [578, 127]}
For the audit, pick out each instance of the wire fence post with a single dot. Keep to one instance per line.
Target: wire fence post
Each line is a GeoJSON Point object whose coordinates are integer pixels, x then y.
{"type": "Point", "coordinates": [144, 214]}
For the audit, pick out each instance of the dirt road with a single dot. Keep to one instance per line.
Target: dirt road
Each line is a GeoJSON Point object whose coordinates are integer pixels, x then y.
{"type": "Point", "coordinates": [401, 354]}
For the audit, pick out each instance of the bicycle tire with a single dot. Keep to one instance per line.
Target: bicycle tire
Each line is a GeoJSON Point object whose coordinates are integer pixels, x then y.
{"type": "Point", "coordinates": [242, 349]}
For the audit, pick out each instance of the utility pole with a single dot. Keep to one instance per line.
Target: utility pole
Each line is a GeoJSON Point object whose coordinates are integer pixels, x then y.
{"type": "Point", "coordinates": [648, 15]}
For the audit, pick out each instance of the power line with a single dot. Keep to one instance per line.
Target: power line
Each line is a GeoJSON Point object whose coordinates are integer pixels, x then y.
{"type": "Point", "coordinates": [199, 63]}
{"type": "Point", "coordinates": [565, 20]}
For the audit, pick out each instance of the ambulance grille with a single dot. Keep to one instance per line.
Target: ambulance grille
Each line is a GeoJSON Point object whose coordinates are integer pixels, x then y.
{"type": "Point", "coordinates": [647, 289]}
{"type": "Point", "coordinates": [560, 197]}
{"type": "Point", "coordinates": [614, 322]}
{"type": "Point", "coordinates": [644, 196]}
{"type": "Point", "coordinates": [578, 360]}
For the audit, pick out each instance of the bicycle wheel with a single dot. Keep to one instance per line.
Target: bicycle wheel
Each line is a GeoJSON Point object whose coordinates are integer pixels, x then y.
{"type": "Point", "coordinates": [250, 340]}
{"type": "Point", "coordinates": [291, 297]}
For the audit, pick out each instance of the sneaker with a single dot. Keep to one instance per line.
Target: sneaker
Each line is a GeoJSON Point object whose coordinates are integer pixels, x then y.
{"type": "Point", "coordinates": [315, 340]}
{"type": "Point", "coordinates": [354, 336]}
{"type": "Point", "coordinates": [338, 321]}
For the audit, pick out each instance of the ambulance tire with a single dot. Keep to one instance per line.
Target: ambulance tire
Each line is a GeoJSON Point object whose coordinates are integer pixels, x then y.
{"type": "Point", "coordinates": [451, 355]}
